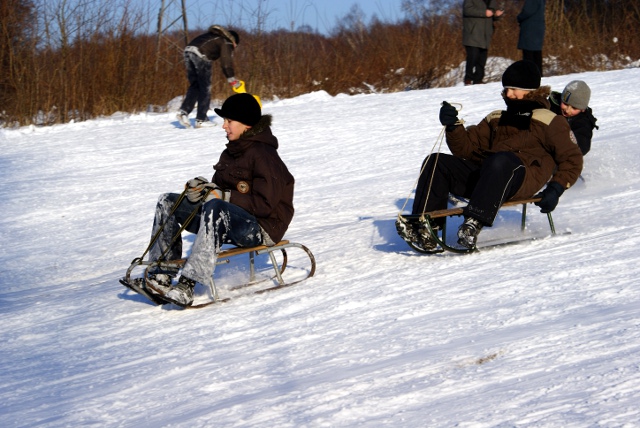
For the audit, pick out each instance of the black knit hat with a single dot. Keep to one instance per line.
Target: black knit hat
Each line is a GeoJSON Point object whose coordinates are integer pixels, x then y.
{"type": "Point", "coordinates": [522, 75]}
{"type": "Point", "coordinates": [242, 108]}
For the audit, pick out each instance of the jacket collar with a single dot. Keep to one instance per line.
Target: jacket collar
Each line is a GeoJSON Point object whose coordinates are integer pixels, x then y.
{"type": "Point", "coordinates": [259, 133]}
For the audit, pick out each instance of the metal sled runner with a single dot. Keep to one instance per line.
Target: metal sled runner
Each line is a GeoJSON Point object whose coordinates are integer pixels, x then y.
{"type": "Point", "coordinates": [425, 221]}
{"type": "Point", "coordinates": [223, 258]}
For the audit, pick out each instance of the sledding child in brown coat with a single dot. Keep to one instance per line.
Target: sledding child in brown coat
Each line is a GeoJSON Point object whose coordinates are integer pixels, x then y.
{"type": "Point", "coordinates": [510, 154]}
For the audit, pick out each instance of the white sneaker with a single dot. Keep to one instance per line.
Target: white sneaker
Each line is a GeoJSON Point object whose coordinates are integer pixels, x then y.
{"type": "Point", "coordinates": [183, 118]}
{"type": "Point", "coordinates": [204, 124]}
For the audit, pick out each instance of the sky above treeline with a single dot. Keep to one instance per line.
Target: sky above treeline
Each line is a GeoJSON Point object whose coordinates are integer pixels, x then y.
{"type": "Point", "coordinates": [320, 15]}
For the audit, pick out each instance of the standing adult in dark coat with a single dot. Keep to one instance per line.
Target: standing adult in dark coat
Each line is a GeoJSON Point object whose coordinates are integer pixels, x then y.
{"type": "Point", "coordinates": [532, 27]}
{"type": "Point", "coordinates": [477, 29]}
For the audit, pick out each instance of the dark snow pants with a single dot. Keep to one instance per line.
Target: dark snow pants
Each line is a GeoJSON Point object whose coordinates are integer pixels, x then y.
{"type": "Point", "coordinates": [535, 57]}
{"type": "Point", "coordinates": [199, 76]}
{"type": "Point", "coordinates": [476, 61]}
{"type": "Point", "coordinates": [216, 223]}
{"type": "Point", "coordinates": [487, 186]}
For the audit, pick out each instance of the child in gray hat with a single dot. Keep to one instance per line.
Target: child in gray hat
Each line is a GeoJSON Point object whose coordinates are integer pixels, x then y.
{"type": "Point", "coordinates": [573, 103]}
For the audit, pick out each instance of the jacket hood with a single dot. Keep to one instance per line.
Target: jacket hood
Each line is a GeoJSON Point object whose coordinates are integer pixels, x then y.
{"type": "Point", "coordinates": [219, 30]}
{"type": "Point", "coordinates": [264, 124]}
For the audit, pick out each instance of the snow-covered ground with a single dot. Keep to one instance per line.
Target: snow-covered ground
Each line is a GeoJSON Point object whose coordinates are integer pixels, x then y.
{"type": "Point", "coordinates": [540, 334]}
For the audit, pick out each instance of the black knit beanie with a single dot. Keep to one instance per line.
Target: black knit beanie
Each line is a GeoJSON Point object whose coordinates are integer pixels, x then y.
{"type": "Point", "coordinates": [242, 108]}
{"type": "Point", "coordinates": [522, 75]}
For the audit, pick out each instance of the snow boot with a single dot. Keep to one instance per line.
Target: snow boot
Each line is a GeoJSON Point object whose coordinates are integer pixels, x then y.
{"type": "Point", "coordinates": [183, 118]}
{"type": "Point", "coordinates": [405, 230]}
{"type": "Point", "coordinates": [159, 283]}
{"type": "Point", "coordinates": [468, 232]}
{"type": "Point", "coordinates": [182, 293]}
{"type": "Point", "coordinates": [417, 233]}
{"type": "Point", "coordinates": [138, 285]}
{"type": "Point", "coordinates": [425, 239]}
{"type": "Point", "coordinates": [204, 124]}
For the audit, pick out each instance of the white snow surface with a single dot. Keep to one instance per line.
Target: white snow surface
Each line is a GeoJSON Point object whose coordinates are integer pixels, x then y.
{"type": "Point", "coordinates": [539, 334]}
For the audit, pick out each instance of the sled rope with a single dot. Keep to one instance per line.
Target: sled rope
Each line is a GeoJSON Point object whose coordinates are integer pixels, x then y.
{"type": "Point", "coordinates": [161, 228]}
{"type": "Point", "coordinates": [183, 226]}
{"type": "Point", "coordinates": [179, 232]}
{"type": "Point", "coordinates": [437, 143]}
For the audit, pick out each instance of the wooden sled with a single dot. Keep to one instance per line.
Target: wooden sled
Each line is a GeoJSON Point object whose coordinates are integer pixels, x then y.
{"type": "Point", "coordinates": [223, 258]}
{"type": "Point", "coordinates": [423, 219]}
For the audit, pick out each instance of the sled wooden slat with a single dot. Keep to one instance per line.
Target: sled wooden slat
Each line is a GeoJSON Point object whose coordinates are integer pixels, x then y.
{"type": "Point", "coordinates": [523, 202]}
{"type": "Point", "coordinates": [242, 250]}
{"type": "Point", "coordinates": [458, 210]}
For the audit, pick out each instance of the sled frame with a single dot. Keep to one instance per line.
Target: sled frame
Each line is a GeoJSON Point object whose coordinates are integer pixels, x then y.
{"type": "Point", "coordinates": [458, 211]}
{"type": "Point", "coordinates": [224, 258]}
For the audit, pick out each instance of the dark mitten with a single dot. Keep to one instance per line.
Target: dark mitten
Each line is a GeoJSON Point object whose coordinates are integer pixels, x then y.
{"type": "Point", "coordinates": [549, 197]}
{"type": "Point", "coordinates": [448, 115]}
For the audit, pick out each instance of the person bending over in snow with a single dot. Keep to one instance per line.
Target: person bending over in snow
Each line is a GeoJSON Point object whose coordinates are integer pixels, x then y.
{"type": "Point", "coordinates": [510, 154]}
{"type": "Point", "coordinates": [573, 103]}
{"type": "Point", "coordinates": [249, 202]}
{"type": "Point", "coordinates": [216, 44]}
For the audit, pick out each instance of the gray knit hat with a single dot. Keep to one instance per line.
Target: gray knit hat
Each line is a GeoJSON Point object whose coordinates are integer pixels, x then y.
{"type": "Point", "coordinates": [576, 94]}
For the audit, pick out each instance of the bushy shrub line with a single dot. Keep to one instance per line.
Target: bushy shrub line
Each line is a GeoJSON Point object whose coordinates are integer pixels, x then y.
{"type": "Point", "coordinates": [96, 65]}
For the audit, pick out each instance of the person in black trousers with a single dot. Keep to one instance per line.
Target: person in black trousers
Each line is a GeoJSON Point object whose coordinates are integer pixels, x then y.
{"type": "Point", "coordinates": [532, 28]}
{"type": "Point", "coordinates": [477, 28]}
{"type": "Point", "coordinates": [216, 44]}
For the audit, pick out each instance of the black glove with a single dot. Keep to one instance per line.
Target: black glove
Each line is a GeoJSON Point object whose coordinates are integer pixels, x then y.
{"type": "Point", "coordinates": [448, 115]}
{"type": "Point", "coordinates": [549, 197]}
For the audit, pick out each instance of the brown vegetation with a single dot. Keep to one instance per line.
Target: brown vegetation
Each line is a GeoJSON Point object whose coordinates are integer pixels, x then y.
{"type": "Point", "coordinates": [59, 64]}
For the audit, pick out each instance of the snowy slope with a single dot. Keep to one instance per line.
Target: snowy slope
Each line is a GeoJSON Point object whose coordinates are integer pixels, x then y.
{"type": "Point", "coordinates": [543, 334]}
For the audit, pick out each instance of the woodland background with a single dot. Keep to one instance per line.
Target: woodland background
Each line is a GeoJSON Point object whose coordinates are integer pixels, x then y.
{"type": "Point", "coordinates": [62, 60]}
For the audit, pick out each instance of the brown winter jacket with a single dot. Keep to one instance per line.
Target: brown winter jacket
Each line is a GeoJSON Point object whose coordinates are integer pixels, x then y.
{"type": "Point", "coordinates": [545, 148]}
{"type": "Point", "coordinates": [259, 181]}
